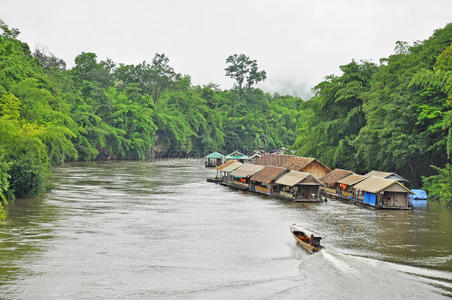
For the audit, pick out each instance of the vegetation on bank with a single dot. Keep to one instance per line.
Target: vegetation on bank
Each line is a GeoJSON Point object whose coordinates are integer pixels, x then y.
{"type": "Point", "coordinates": [391, 116]}
{"type": "Point", "coordinates": [100, 110]}
{"type": "Point", "coordinates": [394, 116]}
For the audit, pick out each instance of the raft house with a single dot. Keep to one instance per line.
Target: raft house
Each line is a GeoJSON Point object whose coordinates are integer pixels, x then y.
{"type": "Point", "coordinates": [331, 186]}
{"type": "Point", "coordinates": [279, 175]}
{"type": "Point", "coordinates": [346, 184]}
{"type": "Point", "coordinates": [214, 159]}
{"type": "Point", "coordinates": [225, 169]}
{"type": "Point", "coordinates": [298, 186]}
{"type": "Point", "coordinates": [240, 177]}
{"type": "Point", "coordinates": [378, 192]}
{"type": "Point", "coordinates": [264, 181]}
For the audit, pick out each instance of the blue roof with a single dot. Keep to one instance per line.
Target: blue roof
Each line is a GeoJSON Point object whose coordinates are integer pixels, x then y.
{"type": "Point", "coordinates": [215, 155]}
{"type": "Point", "coordinates": [236, 155]}
{"type": "Point", "coordinates": [419, 194]}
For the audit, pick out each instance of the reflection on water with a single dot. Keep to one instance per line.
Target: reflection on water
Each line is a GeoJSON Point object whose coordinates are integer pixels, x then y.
{"type": "Point", "coordinates": [157, 229]}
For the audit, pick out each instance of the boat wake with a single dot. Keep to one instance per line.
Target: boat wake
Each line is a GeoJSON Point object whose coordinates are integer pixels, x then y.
{"type": "Point", "coordinates": [348, 274]}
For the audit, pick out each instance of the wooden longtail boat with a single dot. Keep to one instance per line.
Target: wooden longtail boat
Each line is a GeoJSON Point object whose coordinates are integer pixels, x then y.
{"type": "Point", "coordinates": [310, 243]}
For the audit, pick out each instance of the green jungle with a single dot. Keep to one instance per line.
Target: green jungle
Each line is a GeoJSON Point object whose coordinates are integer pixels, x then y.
{"type": "Point", "coordinates": [391, 116]}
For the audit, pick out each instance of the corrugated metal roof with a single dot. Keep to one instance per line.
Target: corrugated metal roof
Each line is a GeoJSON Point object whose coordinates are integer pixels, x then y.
{"type": "Point", "coordinates": [294, 177]}
{"type": "Point", "coordinates": [335, 175]}
{"type": "Point", "coordinates": [374, 184]}
{"type": "Point", "coordinates": [387, 175]}
{"type": "Point", "coordinates": [277, 160]}
{"type": "Point", "coordinates": [236, 155]}
{"type": "Point", "coordinates": [215, 155]}
{"type": "Point", "coordinates": [232, 167]}
{"type": "Point", "coordinates": [268, 173]}
{"type": "Point", "coordinates": [378, 174]}
{"type": "Point", "coordinates": [246, 170]}
{"type": "Point", "coordinates": [229, 162]}
{"type": "Point", "coordinates": [352, 179]}
{"type": "Point", "coordinates": [290, 162]}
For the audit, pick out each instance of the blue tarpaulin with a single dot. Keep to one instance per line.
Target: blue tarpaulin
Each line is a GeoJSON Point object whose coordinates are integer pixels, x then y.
{"type": "Point", "coordinates": [369, 198]}
{"type": "Point", "coordinates": [419, 199]}
{"type": "Point", "coordinates": [419, 195]}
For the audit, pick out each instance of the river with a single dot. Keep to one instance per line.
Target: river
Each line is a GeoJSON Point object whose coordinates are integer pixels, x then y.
{"type": "Point", "coordinates": [145, 230]}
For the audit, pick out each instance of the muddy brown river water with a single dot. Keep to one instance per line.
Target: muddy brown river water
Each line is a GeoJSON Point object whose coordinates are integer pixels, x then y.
{"type": "Point", "coordinates": [158, 230]}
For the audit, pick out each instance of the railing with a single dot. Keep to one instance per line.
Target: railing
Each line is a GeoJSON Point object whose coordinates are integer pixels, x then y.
{"type": "Point", "coordinates": [286, 195]}
{"type": "Point", "coordinates": [238, 183]}
{"type": "Point", "coordinates": [347, 195]}
{"type": "Point", "coordinates": [262, 189]}
{"type": "Point", "coordinates": [328, 190]}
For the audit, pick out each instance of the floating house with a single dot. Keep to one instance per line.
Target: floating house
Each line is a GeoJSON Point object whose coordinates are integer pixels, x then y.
{"type": "Point", "coordinates": [418, 198]}
{"type": "Point", "coordinates": [388, 175]}
{"type": "Point", "coordinates": [240, 177]}
{"type": "Point", "coordinates": [236, 155]}
{"type": "Point", "coordinates": [346, 184]}
{"type": "Point", "coordinates": [298, 186]}
{"type": "Point", "coordinates": [214, 159]}
{"type": "Point", "coordinates": [264, 180]}
{"type": "Point", "coordinates": [296, 163]}
{"type": "Point", "coordinates": [225, 169]}
{"type": "Point", "coordinates": [383, 193]}
{"type": "Point", "coordinates": [330, 180]}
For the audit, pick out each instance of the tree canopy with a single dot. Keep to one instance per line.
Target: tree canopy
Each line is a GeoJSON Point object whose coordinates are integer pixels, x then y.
{"type": "Point", "coordinates": [100, 110]}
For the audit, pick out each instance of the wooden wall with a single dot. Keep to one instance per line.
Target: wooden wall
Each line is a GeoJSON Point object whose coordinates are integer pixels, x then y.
{"type": "Point", "coordinates": [316, 170]}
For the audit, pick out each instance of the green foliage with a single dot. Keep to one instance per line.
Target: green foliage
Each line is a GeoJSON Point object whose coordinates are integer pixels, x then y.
{"type": "Point", "coordinates": [26, 156]}
{"type": "Point", "coordinates": [99, 110]}
{"type": "Point", "coordinates": [440, 186]}
{"type": "Point", "coordinates": [244, 71]}
{"type": "Point", "coordinates": [4, 183]}
{"type": "Point", "coordinates": [335, 115]}
{"type": "Point", "coordinates": [392, 117]}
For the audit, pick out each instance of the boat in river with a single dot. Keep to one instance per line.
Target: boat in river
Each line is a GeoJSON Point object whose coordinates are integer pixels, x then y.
{"type": "Point", "coordinates": [310, 243]}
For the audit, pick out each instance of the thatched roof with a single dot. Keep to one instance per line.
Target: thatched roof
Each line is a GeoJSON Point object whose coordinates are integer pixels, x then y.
{"type": "Point", "coordinates": [246, 170]}
{"type": "Point", "coordinates": [294, 177]}
{"type": "Point", "coordinates": [268, 174]}
{"type": "Point", "coordinates": [374, 184]}
{"type": "Point", "coordinates": [387, 175]}
{"type": "Point", "coordinates": [290, 162]}
{"type": "Point", "coordinates": [335, 175]}
{"type": "Point", "coordinates": [352, 179]}
{"type": "Point", "coordinates": [232, 167]}
{"type": "Point", "coordinates": [276, 160]}
{"type": "Point", "coordinates": [229, 162]}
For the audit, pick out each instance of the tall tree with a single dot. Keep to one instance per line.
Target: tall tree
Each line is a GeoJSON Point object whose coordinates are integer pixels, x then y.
{"type": "Point", "coordinates": [157, 77]}
{"type": "Point", "coordinates": [244, 71]}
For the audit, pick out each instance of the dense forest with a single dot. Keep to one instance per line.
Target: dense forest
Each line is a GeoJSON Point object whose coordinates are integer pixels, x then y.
{"type": "Point", "coordinates": [394, 115]}
{"type": "Point", "coordinates": [100, 110]}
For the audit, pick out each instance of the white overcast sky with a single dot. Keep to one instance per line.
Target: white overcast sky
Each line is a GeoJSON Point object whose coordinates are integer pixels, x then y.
{"type": "Point", "coordinates": [297, 42]}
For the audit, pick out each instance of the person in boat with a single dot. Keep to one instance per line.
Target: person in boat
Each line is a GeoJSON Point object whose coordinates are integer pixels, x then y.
{"type": "Point", "coordinates": [315, 240]}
